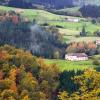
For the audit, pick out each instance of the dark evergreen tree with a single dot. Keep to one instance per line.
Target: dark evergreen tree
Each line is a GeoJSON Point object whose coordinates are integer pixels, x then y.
{"type": "Point", "coordinates": [83, 33]}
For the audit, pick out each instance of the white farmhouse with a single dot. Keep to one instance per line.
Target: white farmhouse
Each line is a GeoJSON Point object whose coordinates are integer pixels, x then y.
{"type": "Point", "coordinates": [18, 10]}
{"type": "Point", "coordinates": [76, 57]}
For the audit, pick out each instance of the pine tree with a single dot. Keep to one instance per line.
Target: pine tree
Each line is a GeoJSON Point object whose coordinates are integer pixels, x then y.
{"type": "Point", "coordinates": [83, 33]}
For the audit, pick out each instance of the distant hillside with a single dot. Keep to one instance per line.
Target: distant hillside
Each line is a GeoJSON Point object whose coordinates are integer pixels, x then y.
{"type": "Point", "coordinates": [86, 2]}
{"type": "Point", "coordinates": [38, 3]}
{"type": "Point", "coordinates": [57, 4]}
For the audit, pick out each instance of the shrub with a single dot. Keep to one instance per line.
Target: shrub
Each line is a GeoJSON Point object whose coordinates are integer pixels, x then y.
{"type": "Point", "coordinates": [96, 62]}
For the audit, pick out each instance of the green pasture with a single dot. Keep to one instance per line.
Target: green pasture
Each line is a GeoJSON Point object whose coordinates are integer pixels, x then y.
{"type": "Point", "coordinates": [43, 16]}
{"type": "Point", "coordinates": [74, 9]}
{"type": "Point", "coordinates": [70, 65]}
{"type": "Point", "coordinates": [69, 39]}
{"type": "Point", "coordinates": [76, 26]}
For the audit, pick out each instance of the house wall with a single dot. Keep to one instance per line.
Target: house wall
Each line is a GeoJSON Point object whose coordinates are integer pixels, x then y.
{"type": "Point", "coordinates": [73, 20]}
{"type": "Point", "coordinates": [75, 58]}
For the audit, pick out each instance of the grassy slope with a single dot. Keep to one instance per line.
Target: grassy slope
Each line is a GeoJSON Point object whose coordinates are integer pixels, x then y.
{"type": "Point", "coordinates": [70, 65]}
{"type": "Point", "coordinates": [76, 26]}
{"type": "Point", "coordinates": [74, 9]}
{"type": "Point", "coordinates": [53, 19]}
{"type": "Point", "coordinates": [33, 13]}
{"type": "Point", "coordinates": [69, 39]}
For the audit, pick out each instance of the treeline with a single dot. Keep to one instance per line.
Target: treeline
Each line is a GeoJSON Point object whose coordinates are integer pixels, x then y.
{"type": "Point", "coordinates": [57, 4]}
{"type": "Point", "coordinates": [90, 11]}
{"type": "Point", "coordinates": [26, 77]}
{"type": "Point", "coordinates": [89, 48]}
{"type": "Point", "coordinates": [16, 3]}
{"type": "Point", "coordinates": [84, 11]}
{"type": "Point", "coordinates": [20, 32]}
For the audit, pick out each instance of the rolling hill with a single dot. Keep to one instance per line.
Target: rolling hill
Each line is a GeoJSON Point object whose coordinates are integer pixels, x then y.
{"type": "Point", "coordinates": [86, 2]}
{"type": "Point", "coordinates": [57, 4]}
{"type": "Point", "coordinates": [70, 29]}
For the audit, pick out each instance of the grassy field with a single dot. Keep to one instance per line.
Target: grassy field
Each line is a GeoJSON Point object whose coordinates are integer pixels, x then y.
{"type": "Point", "coordinates": [70, 65]}
{"type": "Point", "coordinates": [35, 14]}
{"type": "Point", "coordinates": [69, 39]}
{"type": "Point", "coordinates": [74, 9]}
{"type": "Point", "coordinates": [76, 26]}
{"type": "Point", "coordinates": [74, 65]}
{"type": "Point", "coordinates": [53, 19]}
{"type": "Point", "coordinates": [68, 32]}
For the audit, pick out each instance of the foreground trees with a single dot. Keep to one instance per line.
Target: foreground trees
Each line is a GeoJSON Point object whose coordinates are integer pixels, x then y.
{"type": "Point", "coordinates": [89, 83]}
{"type": "Point", "coordinates": [25, 77]}
{"type": "Point", "coordinates": [87, 11]}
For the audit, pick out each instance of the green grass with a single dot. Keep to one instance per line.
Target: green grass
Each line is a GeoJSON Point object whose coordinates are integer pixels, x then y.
{"type": "Point", "coordinates": [70, 65]}
{"type": "Point", "coordinates": [34, 13]}
{"type": "Point", "coordinates": [73, 9]}
{"type": "Point", "coordinates": [40, 15]}
{"type": "Point", "coordinates": [68, 32]}
{"type": "Point", "coordinates": [76, 26]}
{"type": "Point", "coordinates": [6, 8]}
{"type": "Point", "coordinates": [69, 39]}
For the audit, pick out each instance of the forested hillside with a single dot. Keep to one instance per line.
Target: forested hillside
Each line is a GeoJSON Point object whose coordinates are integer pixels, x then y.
{"type": "Point", "coordinates": [58, 4]}
{"type": "Point", "coordinates": [86, 2]}
{"type": "Point", "coordinates": [20, 32]}
{"type": "Point", "coordinates": [25, 77]}
{"type": "Point", "coordinates": [34, 3]}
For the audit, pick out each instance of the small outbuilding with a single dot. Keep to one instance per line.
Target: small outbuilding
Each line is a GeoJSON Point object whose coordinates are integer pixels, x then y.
{"type": "Point", "coordinates": [76, 57]}
{"type": "Point", "coordinates": [97, 42]}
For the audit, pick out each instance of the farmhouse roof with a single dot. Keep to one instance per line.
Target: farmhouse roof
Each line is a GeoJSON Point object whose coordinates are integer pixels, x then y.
{"type": "Point", "coordinates": [78, 54]}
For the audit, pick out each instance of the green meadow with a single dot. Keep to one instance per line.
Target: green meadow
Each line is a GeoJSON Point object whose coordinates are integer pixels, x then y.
{"type": "Point", "coordinates": [69, 39]}
{"type": "Point", "coordinates": [71, 65]}
{"type": "Point", "coordinates": [43, 16]}
{"type": "Point", "coordinates": [74, 65]}
{"type": "Point", "coordinates": [76, 26]}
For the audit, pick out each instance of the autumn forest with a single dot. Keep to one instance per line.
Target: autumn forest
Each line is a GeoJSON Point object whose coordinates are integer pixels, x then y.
{"type": "Point", "coordinates": [49, 51]}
